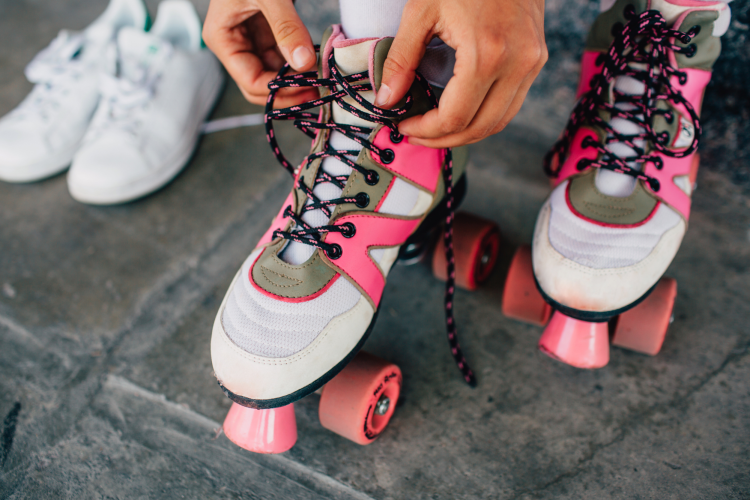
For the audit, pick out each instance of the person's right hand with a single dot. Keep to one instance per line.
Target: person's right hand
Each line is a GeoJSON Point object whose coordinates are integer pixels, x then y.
{"type": "Point", "coordinates": [253, 38]}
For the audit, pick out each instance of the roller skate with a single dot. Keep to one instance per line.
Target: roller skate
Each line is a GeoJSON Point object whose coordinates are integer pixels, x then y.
{"type": "Point", "coordinates": [306, 299]}
{"type": "Point", "coordinates": [622, 173]}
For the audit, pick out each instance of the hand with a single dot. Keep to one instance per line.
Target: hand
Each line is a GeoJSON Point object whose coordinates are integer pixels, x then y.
{"type": "Point", "coordinates": [500, 50]}
{"type": "Point", "coordinates": [253, 38]}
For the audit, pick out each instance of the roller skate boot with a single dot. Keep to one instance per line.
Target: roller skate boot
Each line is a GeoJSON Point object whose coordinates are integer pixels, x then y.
{"type": "Point", "coordinates": [306, 299]}
{"type": "Point", "coordinates": [622, 173]}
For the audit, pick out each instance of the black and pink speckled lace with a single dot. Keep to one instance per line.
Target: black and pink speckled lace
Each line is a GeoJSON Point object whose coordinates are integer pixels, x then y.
{"type": "Point", "coordinates": [645, 39]}
{"type": "Point", "coordinates": [339, 87]}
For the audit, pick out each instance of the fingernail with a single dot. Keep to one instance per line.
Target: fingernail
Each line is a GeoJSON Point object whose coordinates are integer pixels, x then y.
{"type": "Point", "coordinates": [383, 95]}
{"type": "Point", "coordinates": [301, 57]}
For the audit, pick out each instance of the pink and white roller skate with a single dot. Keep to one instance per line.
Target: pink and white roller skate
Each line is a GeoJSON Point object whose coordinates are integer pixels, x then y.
{"type": "Point", "coordinates": [305, 300]}
{"type": "Point", "coordinates": [622, 172]}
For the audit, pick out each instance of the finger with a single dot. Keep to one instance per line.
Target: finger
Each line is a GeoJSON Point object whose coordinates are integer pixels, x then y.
{"type": "Point", "coordinates": [489, 114]}
{"type": "Point", "coordinates": [290, 33]}
{"type": "Point", "coordinates": [493, 115]}
{"type": "Point", "coordinates": [414, 33]}
{"type": "Point", "coordinates": [284, 99]}
{"type": "Point", "coordinates": [459, 103]}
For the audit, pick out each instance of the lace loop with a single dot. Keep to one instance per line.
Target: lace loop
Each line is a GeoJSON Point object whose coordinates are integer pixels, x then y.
{"type": "Point", "coordinates": [644, 40]}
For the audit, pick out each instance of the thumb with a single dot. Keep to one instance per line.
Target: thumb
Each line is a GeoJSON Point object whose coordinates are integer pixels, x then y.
{"type": "Point", "coordinates": [290, 33]}
{"type": "Point", "coordinates": [405, 54]}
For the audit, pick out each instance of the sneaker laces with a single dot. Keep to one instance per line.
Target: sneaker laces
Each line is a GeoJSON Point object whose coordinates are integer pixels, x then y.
{"type": "Point", "coordinates": [644, 42]}
{"type": "Point", "coordinates": [52, 71]}
{"type": "Point", "coordinates": [340, 87]}
{"type": "Point", "coordinates": [123, 94]}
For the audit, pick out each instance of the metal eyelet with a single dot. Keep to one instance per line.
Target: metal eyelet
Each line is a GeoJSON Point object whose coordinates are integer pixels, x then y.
{"type": "Point", "coordinates": [582, 164]}
{"type": "Point", "coordinates": [363, 199]}
{"type": "Point", "coordinates": [372, 178]}
{"type": "Point", "coordinates": [654, 184]}
{"type": "Point", "coordinates": [334, 251]}
{"type": "Point", "coordinates": [695, 30]}
{"type": "Point", "coordinates": [692, 49]}
{"type": "Point", "coordinates": [387, 156]}
{"type": "Point", "coordinates": [350, 231]}
{"type": "Point", "coordinates": [396, 137]}
{"type": "Point", "coordinates": [669, 117]}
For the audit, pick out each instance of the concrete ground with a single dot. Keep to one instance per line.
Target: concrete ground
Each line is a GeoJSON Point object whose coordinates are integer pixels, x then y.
{"type": "Point", "coordinates": [106, 386]}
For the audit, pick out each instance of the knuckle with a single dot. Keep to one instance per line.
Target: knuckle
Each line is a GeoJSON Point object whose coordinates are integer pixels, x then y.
{"type": "Point", "coordinates": [544, 55]}
{"type": "Point", "coordinates": [395, 63]}
{"type": "Point", "coordinates": [453, 124]}
{"type": "Point", "coordinates": [413, 8]}
{"type": "Point", "coordinates": [285, 30]}
{"type": "Point", "coordinates": [208, 36]}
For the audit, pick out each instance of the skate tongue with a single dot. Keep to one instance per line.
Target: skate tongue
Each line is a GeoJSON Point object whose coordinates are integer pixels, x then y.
{"type": "Point", "coordinates": [352, 56]}
{"type": "Point", "coordinates": [139, 52]}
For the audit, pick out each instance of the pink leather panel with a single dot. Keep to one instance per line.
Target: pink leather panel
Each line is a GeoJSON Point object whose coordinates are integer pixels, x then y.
{"type": "Point", "coordinates": [697, 79]}
{"type": "Point", "coordinates": [372, 231]}
{"type": "Point", "coordinates": [279, 222]}
{"type": "Point", "coordinates": [589, 69]}
{"type": "Point", "coordinates": [577, 153]}
{"type": "Point", "coordinates": [668, 190]}
{"type": "Point", "coordinates": [419, 164]}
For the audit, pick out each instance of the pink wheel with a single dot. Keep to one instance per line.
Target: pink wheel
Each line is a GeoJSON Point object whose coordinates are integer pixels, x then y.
{"type": "Point", "coordinates": [359, 402]}
{"type": "Point", "coordinates": [261, 431]}
{"type": "Point", "coordinates": [575, 342]}
{"type": "Point", "coordinates": [644, 327]}
{"type": "Point", "coordinates": [476, 243]}
{"type": "Point", "coordinates": [521, 299]}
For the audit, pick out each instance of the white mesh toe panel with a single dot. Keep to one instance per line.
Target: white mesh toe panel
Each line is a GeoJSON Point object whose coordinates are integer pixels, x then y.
{"type": "Point", "coordinates": [601, 247]}
{"type": "Point", "coordinates": [273, 328]}
{"type": "Point", "coordinates": [400, 199]}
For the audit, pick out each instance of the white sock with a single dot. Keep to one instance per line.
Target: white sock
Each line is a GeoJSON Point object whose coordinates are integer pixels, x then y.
{"type": "Point", "coordinates": [370, 18]}
{"type": "Point", "coordinates": [381, 18]}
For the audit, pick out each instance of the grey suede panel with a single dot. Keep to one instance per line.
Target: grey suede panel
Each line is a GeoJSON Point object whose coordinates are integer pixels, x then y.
{"type": "Point", "coordinates": [708, 46]}
{"type": "Point", "coordinates": [600, 37]}
{"type": "Point", "coordinates": [287, 280]}
{"type": "Point", "coordinates": [356, 184]}
{"type": "Point", "coordinates": [592, 203]}
{"type": "Point", "coordinates": [662, 125]}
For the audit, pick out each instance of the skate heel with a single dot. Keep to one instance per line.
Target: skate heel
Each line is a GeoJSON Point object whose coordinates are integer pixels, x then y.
{"type": "Point", "coordinates": [578, 343]}
{"type": "Point", "coordinates": [261, 431]}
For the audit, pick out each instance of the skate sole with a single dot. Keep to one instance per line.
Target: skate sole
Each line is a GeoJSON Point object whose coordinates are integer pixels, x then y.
{"type": "Point", "coordinates": [265, 404]}
{"type": "Point", "coordinates": [591, 316]}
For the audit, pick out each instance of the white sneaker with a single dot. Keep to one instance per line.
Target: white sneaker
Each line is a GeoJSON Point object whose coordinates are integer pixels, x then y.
{"type": "Point", "coordinates": [149, 119]}
{"type": "Point", "coordinates": [40, 136]}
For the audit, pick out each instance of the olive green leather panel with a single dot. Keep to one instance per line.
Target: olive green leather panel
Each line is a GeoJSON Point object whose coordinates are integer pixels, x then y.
{"type": "Point", "coordinates": [356, 184]}
{"type": "Point", "coordinates": [287, 280]}
{"type": "Point", "coordinates": [600, 37]}
{"type": "Point", "coordinates": [592, 203]}
{"type": "Point", "coordinates": [326, 35]}
{"type": "Point", "coordinates": [708, 46]}
{"type": "Point", "coordinates": [662, 125]}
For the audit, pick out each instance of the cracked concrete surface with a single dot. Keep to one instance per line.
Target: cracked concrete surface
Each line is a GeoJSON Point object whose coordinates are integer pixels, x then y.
{"type": "Point", "coordinates": [106, 388]}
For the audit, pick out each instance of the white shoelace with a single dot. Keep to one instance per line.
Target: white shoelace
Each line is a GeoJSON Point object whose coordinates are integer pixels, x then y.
{"type": "Point", "coordinates": [123, 95]}
{"type": "Point", "coordinates": [52, 70]}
